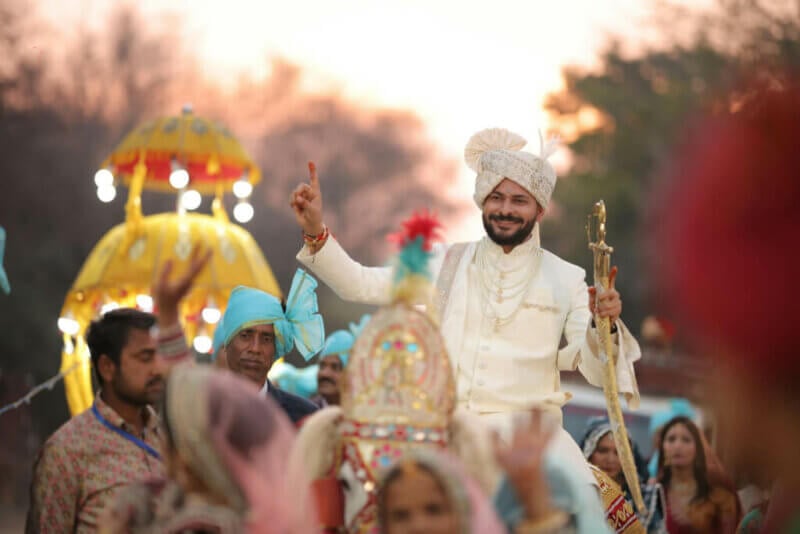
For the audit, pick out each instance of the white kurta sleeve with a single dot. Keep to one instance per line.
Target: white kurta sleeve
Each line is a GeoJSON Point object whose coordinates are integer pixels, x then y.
{"type": "Point", "coordinates": [583, 349]}
{"type": "Point", "coordinates": [346, 277]}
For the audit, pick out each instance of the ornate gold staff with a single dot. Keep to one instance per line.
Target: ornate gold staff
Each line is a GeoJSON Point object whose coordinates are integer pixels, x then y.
{"type": "Point", "coordinates": [602, 266]}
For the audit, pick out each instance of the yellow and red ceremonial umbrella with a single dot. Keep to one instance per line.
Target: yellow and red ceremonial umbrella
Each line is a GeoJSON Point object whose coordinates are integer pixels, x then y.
{"type": "Point", "coordinates": [123, 264]}
{"type": "Point", "coordinates": [187, 154]}
{"type": "Point", "coordinates": [205, 149]}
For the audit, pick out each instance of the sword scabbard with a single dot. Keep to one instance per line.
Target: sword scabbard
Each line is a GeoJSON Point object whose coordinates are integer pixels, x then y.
{"type": "Point", "coordinates": [602, 264]}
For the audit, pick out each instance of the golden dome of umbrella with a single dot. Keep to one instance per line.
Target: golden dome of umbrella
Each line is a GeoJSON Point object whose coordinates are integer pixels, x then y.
{"type": "Point", "coordinates": [118, 274]}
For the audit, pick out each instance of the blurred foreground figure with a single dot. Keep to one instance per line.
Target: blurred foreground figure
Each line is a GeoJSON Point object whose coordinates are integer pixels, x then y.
{"type": "Point", "coordinates": [729, 223]}
{"type": "Point", "coordinates": [429, 492]}
{"type": "Point", "coordinates": [116, 442]}
{"type": "Point", "coordinates": [224, 451]}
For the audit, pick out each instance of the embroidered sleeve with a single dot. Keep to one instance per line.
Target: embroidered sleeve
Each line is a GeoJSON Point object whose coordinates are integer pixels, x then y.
{"type": "Point", "coordinates": [55, 491]}
{"type": "Point", "coordinates": [349, 279]}
{"type": "Point", "coordinates": [172, 344]}
{"type": "Point", "coordinates": [575, 329]}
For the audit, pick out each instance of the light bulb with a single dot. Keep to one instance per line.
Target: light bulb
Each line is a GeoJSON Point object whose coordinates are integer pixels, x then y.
{"type": "Point", "coordinates": [242, 189]}
{"type": "Point", "coordinates": [108, 306]}
{"type": "Point", "coordinates": [103, 177]}
{"type": "Point", "coordinates": [106, 193]}
{"type": "Point", "coordinates": [145, 303]}
{"type": "Point", "coordinates": [243, 212]}
{"type": "Point", "coordinates": [179, 178]}
{"type": "Point", "coordinates": [191, 200]}
{"type": "Point", "coordinates": [211, 315]}
{"type": "Point", "coordinates": [202, 344]}
{"type": "Point", "coordinates": [68, 325]}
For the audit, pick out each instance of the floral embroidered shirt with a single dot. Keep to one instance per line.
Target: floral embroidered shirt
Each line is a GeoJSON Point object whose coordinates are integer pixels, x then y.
{"type": "Point", "coordinates": [84, 464]}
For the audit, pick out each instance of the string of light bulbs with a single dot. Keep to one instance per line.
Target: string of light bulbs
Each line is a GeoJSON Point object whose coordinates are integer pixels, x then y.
{"type": "Point", "coordinates": [46, 385]}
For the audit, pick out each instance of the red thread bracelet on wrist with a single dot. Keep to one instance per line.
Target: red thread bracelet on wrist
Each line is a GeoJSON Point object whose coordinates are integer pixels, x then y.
{"type": "Point", "coordinates": [312, 240]}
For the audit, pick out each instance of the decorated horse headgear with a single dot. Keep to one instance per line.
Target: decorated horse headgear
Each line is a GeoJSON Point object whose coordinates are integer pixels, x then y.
{"type": "Point", "coordinates": [399, 391]}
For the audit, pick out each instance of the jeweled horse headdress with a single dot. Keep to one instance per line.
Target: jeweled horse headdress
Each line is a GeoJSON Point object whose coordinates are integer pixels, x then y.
{"type": "Point", "coordinates": [399, 390]}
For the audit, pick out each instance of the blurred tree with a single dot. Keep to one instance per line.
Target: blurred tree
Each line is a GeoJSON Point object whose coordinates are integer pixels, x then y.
{"type": "Point", "coordinates": [621, 120]}
{"type": "Point", "coordinates": [57, 114]}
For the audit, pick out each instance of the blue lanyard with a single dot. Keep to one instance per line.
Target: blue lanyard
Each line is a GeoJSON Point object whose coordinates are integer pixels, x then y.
{"type": "Point", "coordinates": [130, 437]}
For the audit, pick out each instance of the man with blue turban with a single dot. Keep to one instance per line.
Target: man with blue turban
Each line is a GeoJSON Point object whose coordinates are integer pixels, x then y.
{"type": "Point", "coordinates": [257, 329]}
{"type": "Point", "coordinates": [332, 361]}
{"type": "Point", "coordinates": [321, 382]}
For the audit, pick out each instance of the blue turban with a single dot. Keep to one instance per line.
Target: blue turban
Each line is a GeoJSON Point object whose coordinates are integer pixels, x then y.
{"type": "Point", "coordinates": [340, 342]}
{"type": "Point", "coordinates": [4, 285]}
{"type": "Point", "coordinates": [289, 378]}
{"type": "Point", "coordinates": [676, 407]}
{"type": "Point", "coordinates": [299, 326]}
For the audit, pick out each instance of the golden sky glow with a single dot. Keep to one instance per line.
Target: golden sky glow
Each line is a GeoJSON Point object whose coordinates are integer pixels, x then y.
{"type": "Point", "coordinates": [461, 65]}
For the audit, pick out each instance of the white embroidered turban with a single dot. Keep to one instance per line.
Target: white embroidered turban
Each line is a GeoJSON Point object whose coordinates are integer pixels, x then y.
{"type": "Point", "coordinates": [496, 153]}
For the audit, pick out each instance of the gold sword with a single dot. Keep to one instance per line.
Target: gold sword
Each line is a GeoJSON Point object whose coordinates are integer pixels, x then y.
{"type": "Point", "coordinates": [602, 266]}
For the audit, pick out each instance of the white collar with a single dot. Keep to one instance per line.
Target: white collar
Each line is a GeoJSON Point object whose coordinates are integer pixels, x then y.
{"type": "Point", "coordinates": [265, 388]}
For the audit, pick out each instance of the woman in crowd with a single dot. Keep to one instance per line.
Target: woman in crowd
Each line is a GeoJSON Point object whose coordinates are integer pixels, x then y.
{"type": "Point", "coordinates": [698, 500]}
{"type": "Point", "coordinates": [600, 450]}
{"type": "Point", "coordinates": [428, 492]}
{"type": "Point", "coordinates": [225, 454]}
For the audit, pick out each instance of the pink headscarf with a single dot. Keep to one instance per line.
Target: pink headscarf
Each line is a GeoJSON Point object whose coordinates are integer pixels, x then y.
{"type": "Point", "coordinates": [236, 441]}
{"type": "Point", "coordinates": [475, 510]}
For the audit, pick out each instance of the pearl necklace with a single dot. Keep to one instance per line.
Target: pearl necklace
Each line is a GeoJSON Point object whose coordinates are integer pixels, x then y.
{"type": "Point", "coordinates": [498, 285]}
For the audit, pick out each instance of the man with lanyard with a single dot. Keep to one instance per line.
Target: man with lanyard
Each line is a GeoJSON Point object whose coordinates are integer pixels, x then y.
{"type": "Point", "coordinates": [85, 462]}
{"type": "Point", "coordinates": [505, 303]}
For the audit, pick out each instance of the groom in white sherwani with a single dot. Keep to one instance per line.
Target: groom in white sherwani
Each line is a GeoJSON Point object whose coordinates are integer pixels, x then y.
{"type": "Point", "coordinates": [505, 302]}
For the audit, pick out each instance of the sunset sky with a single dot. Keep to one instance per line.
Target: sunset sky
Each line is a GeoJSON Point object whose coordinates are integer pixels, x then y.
{"type": "Point", "coordinates": [460, 65]}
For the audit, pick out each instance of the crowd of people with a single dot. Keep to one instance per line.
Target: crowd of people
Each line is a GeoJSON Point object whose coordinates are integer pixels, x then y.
{"type": "Point", "coordinates": [441, 412]}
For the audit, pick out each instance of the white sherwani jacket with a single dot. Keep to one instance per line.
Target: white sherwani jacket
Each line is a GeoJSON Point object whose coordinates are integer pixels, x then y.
{"type": "Point", "coordinates": [507, 369]}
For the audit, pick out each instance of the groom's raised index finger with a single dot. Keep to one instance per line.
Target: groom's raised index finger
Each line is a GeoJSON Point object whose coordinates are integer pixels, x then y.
{"type": "Point", "coordinates": [312, 172]}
